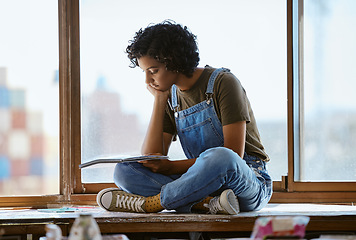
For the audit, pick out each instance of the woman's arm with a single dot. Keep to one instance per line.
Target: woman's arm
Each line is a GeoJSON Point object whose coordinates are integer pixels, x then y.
{"type": "Point", "coordinates": [168, 167]}
{"type": "Point", "coordinates": [235, 137]}
{"type": "Point", "coordinates": [155, 141]}
{"type": "Point", "coordinates": [158, 142]}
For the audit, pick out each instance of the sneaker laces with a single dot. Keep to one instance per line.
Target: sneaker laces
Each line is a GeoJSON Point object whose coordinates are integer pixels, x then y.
{"type": "Point", "coordinates": [130, 203]}
{"type": "Point", "coordinates": [214, 205]}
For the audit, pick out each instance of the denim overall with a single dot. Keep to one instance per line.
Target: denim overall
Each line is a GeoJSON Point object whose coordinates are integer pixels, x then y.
{"type": "Point", "coordinates": [216, 168]}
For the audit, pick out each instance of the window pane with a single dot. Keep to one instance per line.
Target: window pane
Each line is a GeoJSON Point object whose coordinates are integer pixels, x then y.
{"type": "Point", "coordinates": [329, 82]}
{"type": "Point", "coordinates": [249, 37]}
{"type": "Point", "coordinates": [29, 97]}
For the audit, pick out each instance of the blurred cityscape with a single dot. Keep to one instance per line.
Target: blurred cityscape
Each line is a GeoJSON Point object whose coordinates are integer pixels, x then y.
{"type": "Point", "coordinates": [107, 131]}
{"type": "Point", "coordinates": [28, 157]}
{"type": "Point", "coordinates": [106, 128]}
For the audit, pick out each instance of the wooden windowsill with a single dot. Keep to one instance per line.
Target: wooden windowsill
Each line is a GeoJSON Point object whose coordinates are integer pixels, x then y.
{"type": "Point", "coordinates": [322, 218]}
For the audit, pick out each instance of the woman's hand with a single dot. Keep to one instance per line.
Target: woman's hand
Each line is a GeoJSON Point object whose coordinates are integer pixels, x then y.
{"type": "Point", "coordinates": [167, 167]}
{"type": "Point", "coordinates": [162, 166]}
{"type": "Point", "coordinates": [157, 93]}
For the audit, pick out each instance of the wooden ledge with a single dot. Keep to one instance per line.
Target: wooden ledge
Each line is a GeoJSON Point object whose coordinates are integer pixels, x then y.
{"type": "Point", "coordinates": [322, 218]}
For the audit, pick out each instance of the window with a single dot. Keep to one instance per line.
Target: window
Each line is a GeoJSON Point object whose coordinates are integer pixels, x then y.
{"type": "Point", "coordinates": [300, 51]}
{"type": "Point", "coordinates": [315, 81]}
{"type": "Point", "coordinates": [29, 126]}
{"type": "Point", "coordinates": [116, 105]}
{"type": "Point", "coordinates": [329, 121]}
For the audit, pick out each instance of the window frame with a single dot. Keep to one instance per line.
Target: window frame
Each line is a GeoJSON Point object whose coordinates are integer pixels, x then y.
{"type": "Point", "coordinates": [295, 85]}
{"type": "Point", "coordinates": [325, 191]}
{"type": "Point", "coordinates": [73, 191]}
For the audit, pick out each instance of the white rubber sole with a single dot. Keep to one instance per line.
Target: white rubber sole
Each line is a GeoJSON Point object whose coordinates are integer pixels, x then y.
{"type": "Point", "coordinates": [229, 202]}
{"type": "Point", "coordinates": [104, 197]}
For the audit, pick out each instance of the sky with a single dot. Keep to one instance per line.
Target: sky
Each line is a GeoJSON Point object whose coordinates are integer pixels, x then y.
{"type": "Point", "coordinates": [29, 51]}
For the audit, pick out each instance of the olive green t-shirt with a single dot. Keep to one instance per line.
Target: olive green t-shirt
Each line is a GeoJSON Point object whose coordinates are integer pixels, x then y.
{"type": "Point", "coordinates": [231, 105]}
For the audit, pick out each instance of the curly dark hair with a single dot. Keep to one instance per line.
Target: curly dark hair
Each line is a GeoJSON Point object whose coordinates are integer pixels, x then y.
{"type": "Point", "coordinates": [168, 43]}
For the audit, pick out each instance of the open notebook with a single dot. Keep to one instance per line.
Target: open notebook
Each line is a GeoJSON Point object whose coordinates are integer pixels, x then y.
{"type": "Point", "coordinates": [113, 160]}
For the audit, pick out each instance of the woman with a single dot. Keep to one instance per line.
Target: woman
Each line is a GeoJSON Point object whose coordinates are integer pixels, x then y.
{"type": "Point", "coordinates": [225, 170]}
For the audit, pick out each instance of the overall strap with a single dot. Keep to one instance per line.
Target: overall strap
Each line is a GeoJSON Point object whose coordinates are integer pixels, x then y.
{"type": "Point", "coordinates": [213, 76]}
{"type": "Point", "coordinates": [174, 98]}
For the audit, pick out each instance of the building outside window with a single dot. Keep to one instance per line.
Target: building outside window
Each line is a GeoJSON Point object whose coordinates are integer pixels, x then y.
{"type": "Point", "coordinates": [29, 111]}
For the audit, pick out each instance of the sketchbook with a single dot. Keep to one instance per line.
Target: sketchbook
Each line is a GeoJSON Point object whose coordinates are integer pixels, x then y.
{"type": "Point", "coordinates": [113, 160]}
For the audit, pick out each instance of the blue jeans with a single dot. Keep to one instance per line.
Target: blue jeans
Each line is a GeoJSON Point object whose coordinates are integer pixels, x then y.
{"type": "Point", "coordinates": [215, 170]}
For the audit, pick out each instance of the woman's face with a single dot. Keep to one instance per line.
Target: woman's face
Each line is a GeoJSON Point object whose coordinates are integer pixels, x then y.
{"type": "Point", "coordinates": [157, 76]}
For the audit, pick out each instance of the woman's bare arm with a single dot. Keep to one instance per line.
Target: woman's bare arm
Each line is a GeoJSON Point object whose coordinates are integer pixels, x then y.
{"type": "Point", "coordinates": [235, 137]}
{"type": "Point", "coordinates": [154, 141]}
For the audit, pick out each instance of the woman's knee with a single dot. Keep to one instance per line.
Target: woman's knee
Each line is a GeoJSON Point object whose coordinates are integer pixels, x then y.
{"type": "Point", "coordinates": [123, 175]}
{"type": "Point", "coordinates": [221, 157]}
{"type": "Point", "coordinates": [135, 178]}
